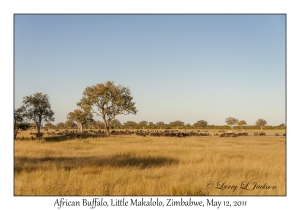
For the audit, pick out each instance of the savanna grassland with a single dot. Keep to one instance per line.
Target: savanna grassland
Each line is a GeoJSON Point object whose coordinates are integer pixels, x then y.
{"type": "Point", "coordinates": [135, 165]}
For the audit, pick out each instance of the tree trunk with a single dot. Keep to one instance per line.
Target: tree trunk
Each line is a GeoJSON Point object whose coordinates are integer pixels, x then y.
{"type": "Point", "coordinates": [15, 133]}
{"type": "Point", "coordinates": [106, 126]}
{"type": "Point", "coordinates": [107, 130]}
{"type": "Point", "coordinates": [38, 127]}
{"type": "Point", "coordinates": [39, 131]}
{"type": "Point", "coordinates": [80, 127]}
{"type": "Point", "coordinates": [15, 129]}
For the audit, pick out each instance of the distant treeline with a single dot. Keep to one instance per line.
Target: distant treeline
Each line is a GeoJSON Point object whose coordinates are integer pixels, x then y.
{"type": "Point", "coordinates": [116, 124]}
{"type": "Point", "coordinates": [247, 127]}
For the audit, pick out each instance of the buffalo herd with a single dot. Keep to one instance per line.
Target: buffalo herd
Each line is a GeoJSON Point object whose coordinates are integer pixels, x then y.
{"type": "Point", "coordinates": [166, 133]}
{"type": "Point", "coordinates": [176, 133]}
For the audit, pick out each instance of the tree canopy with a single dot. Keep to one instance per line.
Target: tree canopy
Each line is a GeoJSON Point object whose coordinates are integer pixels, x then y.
{"type": "Point", "coordinates": [200, 124]}
{"type": "Point", "coordinates": [20, 122]}
{"type": "Point", "coordinates": [60, 125]}
{"type": "Point", "coordinates": [143, 124]}
{"type": "Point", "coordinates": [69, 124]}
{"type": "Point", "coordinates": [242, 123]}
{"type": "Point", "coordinates": [116, 124]}
{"type": "Point", "coordinates": [80, 117]}
{"type": "Point", "coordinates": [160, 124]}
{"type": "Point", "coordinates": [177, 124]}
{"type": "Point", "coordinates": [38, 109]}
{"type": "Point", "coordinates": [130, 125]}
{"type": "Point", "coordinates": [107, 101]}
{"type": "Point", "coordinates": [261, 123]}
{"type": "Point", "coordinates": [231, 122]}
{"type": "Point", "coordinates": [49, 125]}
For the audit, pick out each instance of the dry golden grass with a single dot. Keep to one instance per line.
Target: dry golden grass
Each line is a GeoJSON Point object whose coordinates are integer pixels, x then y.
{"type": "Point", "coordinates": [133, 165]}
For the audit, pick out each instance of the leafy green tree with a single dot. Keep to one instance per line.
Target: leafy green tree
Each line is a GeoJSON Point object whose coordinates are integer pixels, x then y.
{"type": "Point", "coordinates": [167, 126]}
{"type": "Point", "coordinates": [177, 124]}
{"type": "Point", "coordinates": [151, 125]}
{"type": "Point", "coordinates": [80, 118]}
{"type": "Point", "coordinates": [89, 125]}
{"type": "Point", "coordinates": [130, 125]}
{"type": "Point", "coordinates": [160, 124]}
{"type": "Point", "coordinates": [107, 101]}
{"type": "Point", "coordinates": [20, 121]}
{"type": "Point", "coordinates": [100, 125]}
{"type": "Point", "coordinates": [69, 124]}
{"type": "Point", "coordinates": [200, 124]}
{"type": "Point", "coordinates": [49, 125]}
{"type": "Point", "coordinates": [38, 109]}
{"type": "Point", "coordinates": [242, 123]}
{"type": "Point", "coordinates": [231, 122]}
{"type": "Point", "coordinates": [143, 124]}
{"type": "Point", "coordinates": [261, 123]}
{"type": "Point", "coordinates": [115, 124]}
{"type": "Point", "coordinates": [60, 125]}
{"type": "Point", "coordinates": [188, 126]}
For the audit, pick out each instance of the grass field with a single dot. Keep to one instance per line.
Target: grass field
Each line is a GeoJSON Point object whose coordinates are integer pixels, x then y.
{"type": "Point", "coordinates": [133, 165]}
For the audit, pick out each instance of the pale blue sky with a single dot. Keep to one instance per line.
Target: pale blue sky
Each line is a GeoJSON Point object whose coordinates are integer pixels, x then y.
{"type": "Point", "coordinates": [178, 67]}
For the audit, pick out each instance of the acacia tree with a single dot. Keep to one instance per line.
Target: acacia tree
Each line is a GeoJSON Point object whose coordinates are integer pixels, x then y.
{"type": "Point", "coordinates": [177, 124]}
{"type": "Point", "coordinates": [231, 122]}
{"type": "Point", "coordinates": [49, 125]}
{"type": "Point", "coordinates": [60, 125]}
{"type": "Point", "coordinates": [188, 126]}
{"type": "Point", "coordinates": [160, 124]}
{"type": "Point", "coordinates": [130, 125]}
{"type": "Point", "coordinates": [69, 124]}
{"type": "Point", "coordinates": [242, 123]}
{"type": "Point", "coordinates": [107, 101]}
{"type": "Point", "coordinates": [151, 125]}
{"type": "Point", "coordinates": [143, 124]}
{"type": "Point", "coordinates": [99, 124]}
{"type": "Point", "coordinates": [261, 123]}
{"type": "Point", "coordinates": [200, 124]}
{"type": "Point", "coordinates": [38, 109]}
{"type": "Point", "coordinates": [91, 124]}
{"type": "Point", "coordinates": [116, 124]}
{"type": "Point", "coordinates": [20, 121]}
{"type": "Point", "coordinates": [80, 117]}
